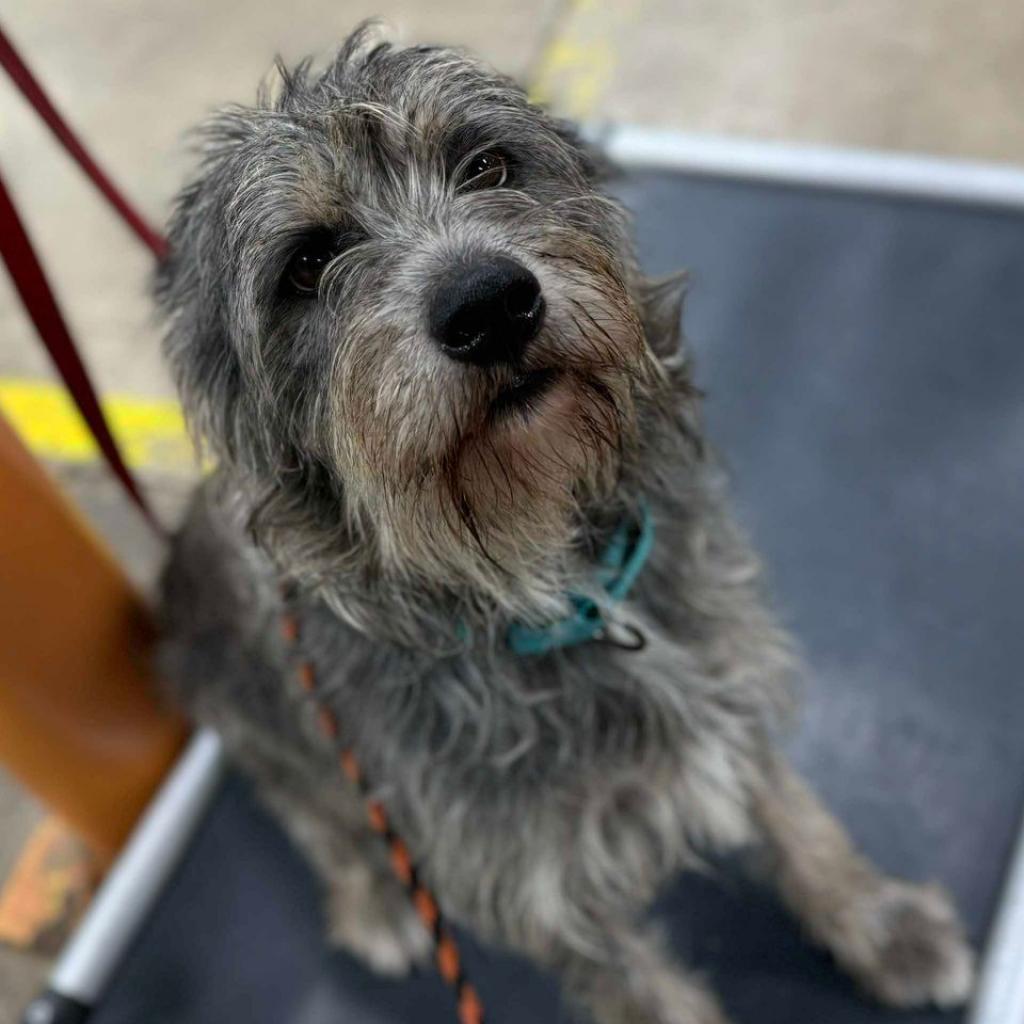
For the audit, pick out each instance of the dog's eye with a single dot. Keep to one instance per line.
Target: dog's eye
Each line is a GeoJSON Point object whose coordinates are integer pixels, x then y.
{"type": "Point", "coordinates": [486, 170]}
{"type": "Point", "coordinates": [308, 262]}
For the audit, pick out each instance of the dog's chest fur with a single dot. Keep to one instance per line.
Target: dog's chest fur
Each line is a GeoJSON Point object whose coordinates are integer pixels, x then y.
{"type": "Point", "coordinates": [614, 763]}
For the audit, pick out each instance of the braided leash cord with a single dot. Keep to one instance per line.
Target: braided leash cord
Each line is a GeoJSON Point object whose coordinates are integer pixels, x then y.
{"type": "Point", "coordinates": [446, 952]}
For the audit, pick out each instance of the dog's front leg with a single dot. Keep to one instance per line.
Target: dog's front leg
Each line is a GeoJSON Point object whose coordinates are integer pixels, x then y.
{"type": "Point", "coordinates": [902, 942]}
{"type": "Point", "coordinates": [631, 979]}
{"type": "Point", "coordinates": [366, 911]}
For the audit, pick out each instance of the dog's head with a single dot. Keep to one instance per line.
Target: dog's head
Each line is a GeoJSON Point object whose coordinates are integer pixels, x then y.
{"type": "Point", "coordinates": [407, 318]}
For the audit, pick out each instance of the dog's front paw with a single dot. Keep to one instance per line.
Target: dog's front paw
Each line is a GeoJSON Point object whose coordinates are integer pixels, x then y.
{"type": "Point", "coordinates": [385, 933]}
{"type": "Point", "coordinates": [905, 945]}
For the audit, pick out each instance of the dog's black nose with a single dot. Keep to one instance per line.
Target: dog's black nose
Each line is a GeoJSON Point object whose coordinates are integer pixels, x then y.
{"type": "Point", "coordinates": [487, 312]}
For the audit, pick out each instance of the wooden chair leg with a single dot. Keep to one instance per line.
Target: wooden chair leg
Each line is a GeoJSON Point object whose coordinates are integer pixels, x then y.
{"type": "Point", "coordinates": [80, 722]}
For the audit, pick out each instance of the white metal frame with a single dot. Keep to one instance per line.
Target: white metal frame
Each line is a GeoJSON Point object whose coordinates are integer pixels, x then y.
{"type": "Point", "coordinates": [1000, 993]}
{"type": "Point", "coordinates": [923, 177]}
{"type": "Point", "coordinates": [167, 826]}
{"type": "Point", "coordinates": [153, 851]}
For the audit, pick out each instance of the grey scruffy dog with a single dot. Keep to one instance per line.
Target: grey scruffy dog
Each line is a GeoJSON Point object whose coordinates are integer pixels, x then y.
{"type": "Point", "coordinates": [411, 328]}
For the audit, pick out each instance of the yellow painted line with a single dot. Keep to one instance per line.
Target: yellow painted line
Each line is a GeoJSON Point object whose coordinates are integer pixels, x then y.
{"type": "Point", "coordinates": [151, 432]}
{"type": "Point", "coordinates": [577, 67]}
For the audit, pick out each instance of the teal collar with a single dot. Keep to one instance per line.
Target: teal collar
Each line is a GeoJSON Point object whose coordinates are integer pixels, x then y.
{"type": "Point", "coordinates": [618, 568]}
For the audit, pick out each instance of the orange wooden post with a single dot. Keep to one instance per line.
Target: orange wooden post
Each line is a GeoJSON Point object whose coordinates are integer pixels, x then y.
{"type": "Point", "coordinates": [80, 723]}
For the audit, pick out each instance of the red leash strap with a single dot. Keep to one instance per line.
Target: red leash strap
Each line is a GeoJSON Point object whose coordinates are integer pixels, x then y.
{"type": "Point", "coordinates": [31, 284]}
{"type": "Point", "coordinates": [33, 92]}
{"type": "Point", "coordinates": [446, 952]}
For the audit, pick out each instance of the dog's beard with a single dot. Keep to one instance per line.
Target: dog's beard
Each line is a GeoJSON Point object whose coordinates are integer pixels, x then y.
{"type": "Point", "coordinates": [559, 445]}
{"type": "Point", "coordinates": [480, 490]}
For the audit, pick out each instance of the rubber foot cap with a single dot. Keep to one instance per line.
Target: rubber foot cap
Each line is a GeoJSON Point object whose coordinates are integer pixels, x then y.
{"type": "Point", "coordinates": [53, 1008]}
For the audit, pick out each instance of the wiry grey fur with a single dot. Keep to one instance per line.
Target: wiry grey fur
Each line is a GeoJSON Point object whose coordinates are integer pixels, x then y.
{"type": "Point", "coordinates": [546, 798]}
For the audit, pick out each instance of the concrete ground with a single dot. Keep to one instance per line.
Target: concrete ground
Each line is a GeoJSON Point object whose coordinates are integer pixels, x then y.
{"type": "Point", "coordinates": [935, 76]}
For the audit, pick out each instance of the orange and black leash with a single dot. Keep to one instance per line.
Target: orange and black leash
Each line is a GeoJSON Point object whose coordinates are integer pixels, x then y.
{"type": "Point", "coordinates": [446, 951]}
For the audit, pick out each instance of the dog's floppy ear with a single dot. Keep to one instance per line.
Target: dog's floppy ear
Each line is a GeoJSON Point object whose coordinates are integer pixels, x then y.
{"type": "Point", "coordinates": [196, 345]}
{"type": "Point", "coordinates": [661, 302]}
